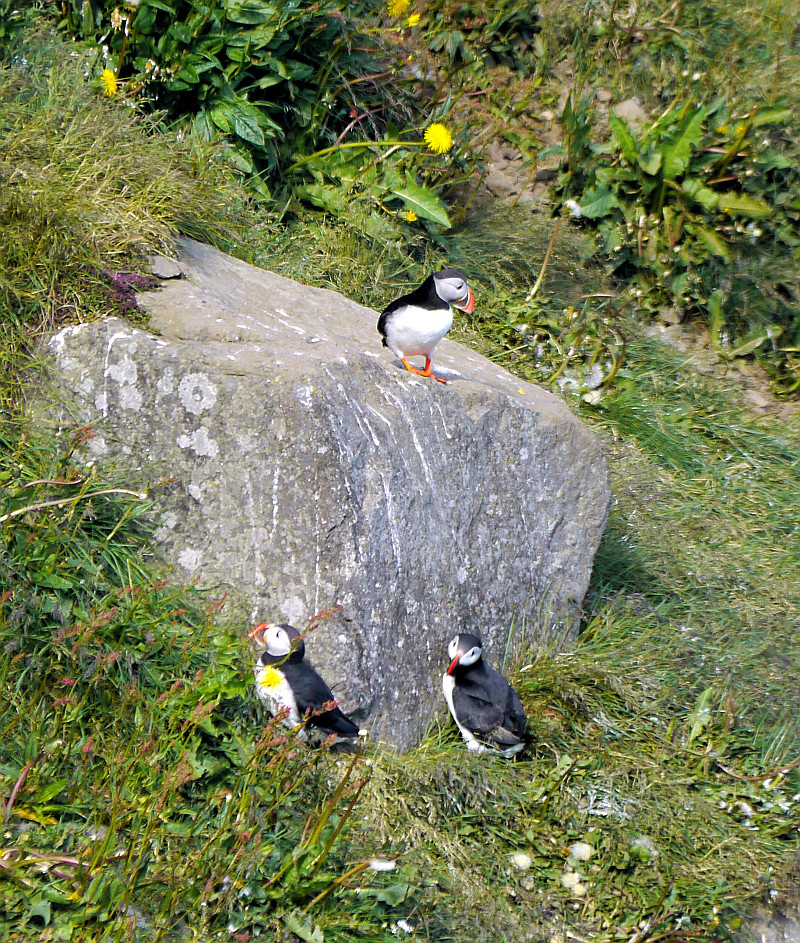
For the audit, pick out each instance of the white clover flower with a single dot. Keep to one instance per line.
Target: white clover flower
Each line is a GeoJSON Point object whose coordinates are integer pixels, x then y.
{"type": "Point", "coordinates": [581, 851]}
{"type": "Point", "coordinates": [520, 860]}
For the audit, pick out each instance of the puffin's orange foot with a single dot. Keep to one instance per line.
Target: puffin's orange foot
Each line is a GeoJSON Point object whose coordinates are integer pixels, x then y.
{"type": "Point", "coordinates": [423, 373]}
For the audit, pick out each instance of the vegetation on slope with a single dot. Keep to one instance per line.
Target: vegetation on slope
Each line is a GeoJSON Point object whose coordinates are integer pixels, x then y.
{"type": "Point", "coordinates": [142, 795]}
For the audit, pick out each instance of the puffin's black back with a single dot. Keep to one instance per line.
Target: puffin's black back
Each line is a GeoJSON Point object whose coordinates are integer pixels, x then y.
{"type": "Point", "coordinates": [487, 704]}
{"type": "Point", "coordinates": [311, 692]}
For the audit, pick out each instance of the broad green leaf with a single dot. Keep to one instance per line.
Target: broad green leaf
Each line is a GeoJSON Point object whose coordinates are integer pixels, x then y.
{"type": "Point", "coordinates": [249, 11]}
{"type": "Point", "coordinates": [701, 715]}
{"type": "Point", "coordinates": [51, 581]}
{"type": "Point", "coordinates": [48, 792]}
{"type": "Point", "coordinates": [598, 202]}
{"type": "Point", "coordinates": [774, 115]}
{"type": "Point", "coordinates": [700, 193]}
{"type": "Point", "coordinates": [40, 909]}
{"type": "Point", "coordinates": [754, 340]}
{"type": "Point", "coordinates": [299, 924]}
{"type": "Point", "coordinates": [712, 240]}
{"type": "Point", "coordinates": [742, 204]}
{"type": "Point", "coordinates": [747, 348]}
{"type": "Point", "coordinates": [393, 895]}
{"type": "Point", "coordinates": [267, 81]}
{"type": "Point", "coordinates": [423, 202]}
{"type": "Point", "coordinates": [327, 197]}
{"type": "Point", "coordinates": [187, 73]}
{"type": "Point", "coordinates": [676, 153]}
{"type": "Point", "coordinates": [650, 162]}
{"type": "Point", "coordinates": [159, 5]}
{"type": "Point", "coordinates": [246, 127]}
{"type": "Point", "coordinates": [555, 150]}
{"type": "Point", "coordinates": [772, 160]}
{"type": "Point", "coordinates": [180, 32]}
{"type": "Point", "coordinates": [219, 113]}
{"type": "Point", "coordinates": [623, 137]}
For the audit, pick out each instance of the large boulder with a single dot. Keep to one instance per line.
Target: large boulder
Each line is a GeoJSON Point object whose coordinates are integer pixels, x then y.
{"type": "Point", "coordinates": [309, 470]}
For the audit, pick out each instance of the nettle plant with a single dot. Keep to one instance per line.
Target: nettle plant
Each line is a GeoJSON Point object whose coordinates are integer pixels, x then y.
{"type": "Point", "coordinates": [310, 96]}
{"type": "Point", "coordinates": [698, 211]}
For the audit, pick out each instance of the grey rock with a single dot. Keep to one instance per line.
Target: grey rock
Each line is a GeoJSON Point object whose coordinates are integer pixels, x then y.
{"type": "Point", "coordinates": [310, 470]}
{"type": "Point", "coordinates": [670, 315]}
{"type": "Point", "coordinates": [631, 111]}
{"type": "Point", "coordinates": [165, 268]}
{"type": "Point", "coordinates": [770, 925]}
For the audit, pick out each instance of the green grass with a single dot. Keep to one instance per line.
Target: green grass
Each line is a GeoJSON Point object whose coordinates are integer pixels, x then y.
{"type": "Point", "coordinates": [88, 189]}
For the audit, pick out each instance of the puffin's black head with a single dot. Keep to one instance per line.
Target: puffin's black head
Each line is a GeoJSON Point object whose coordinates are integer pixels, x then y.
{"type": "Point", "coordinates": [464, 650]}
{"type": "Point", "coordinates": [280, 643]}
{"type": "Point", "coordinates": [452, 287]}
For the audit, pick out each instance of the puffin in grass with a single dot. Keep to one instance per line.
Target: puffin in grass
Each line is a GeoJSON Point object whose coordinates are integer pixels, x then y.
{"type": "Point", "coordinates": [414, 324]}
{"type": "Point", "coordinates": [484, 706]}
{"type": "Point", "coordinates": [286, 684]}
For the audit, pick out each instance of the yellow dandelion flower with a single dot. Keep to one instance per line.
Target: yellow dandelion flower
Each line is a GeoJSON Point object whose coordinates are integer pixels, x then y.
{"type": "Point", "coordinates": [410, 216]}
{"type": "Point", "coordinates": [397, 7]}
{"type": "Point", "coordinates": [438, 138]}
{"type": "Point", "coordinates": [109, 80]}
{"type": "Point", "coordinates": [413, 20]}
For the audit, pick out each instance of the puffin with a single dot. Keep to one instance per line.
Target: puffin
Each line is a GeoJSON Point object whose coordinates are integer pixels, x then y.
{"type": "Point", "coordinates": [284, 682]}
{"type": "Point", "coordinates": [484, 706]}
{"type": "Point", "coordinates": [415, 323]}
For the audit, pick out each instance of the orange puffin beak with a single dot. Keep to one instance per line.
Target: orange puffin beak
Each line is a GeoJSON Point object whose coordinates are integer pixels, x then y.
{"type": "Point", "coordinates": [453, 663]}
{"type": "Point", "coordinates": [259, 628]}
{"type": "Point", "coordinates": [469, 304]}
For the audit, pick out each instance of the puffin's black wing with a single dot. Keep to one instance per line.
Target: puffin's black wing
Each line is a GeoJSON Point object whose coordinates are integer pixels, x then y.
{"type": "Point", "coordinates": [475, 712]}
{"type": "Point", "coordinates": [311, 692]}
{"type": "Point", "coordinates": [424, 297]}
{"type": "Point", "coordinates": [515, 719]}
{"type": "Point", "coordinates": [493, 706]}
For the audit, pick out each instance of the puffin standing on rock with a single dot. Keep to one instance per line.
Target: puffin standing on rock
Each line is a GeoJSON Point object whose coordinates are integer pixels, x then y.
{"type": "Point", "coordinates": [415, 323]}
{"type": "Point", "coordinates": [284, 682]}
{"type": "Point", "coordinates": [484, 706]}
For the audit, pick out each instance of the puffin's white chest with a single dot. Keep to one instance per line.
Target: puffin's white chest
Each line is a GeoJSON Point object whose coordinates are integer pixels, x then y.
{"type": "Point", "coordinates": [412, 330]}
{"type": "Point", "coordinates": [275, 692]}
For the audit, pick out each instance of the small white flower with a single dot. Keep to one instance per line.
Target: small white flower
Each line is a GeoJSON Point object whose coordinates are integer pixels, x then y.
{"type": "Point", "coordinates": [570, 879]}
{"type": "Point", "coordinates": [581, 851]}
{"type": "Point", "coordinates": [520, 860]}
{"type": "Point", "coordinates": [382, 864]}
{"type": "Point", "coordinates": [574, 207]}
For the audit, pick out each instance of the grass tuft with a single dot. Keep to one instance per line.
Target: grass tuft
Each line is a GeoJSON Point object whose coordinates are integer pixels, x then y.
{"type": "Point", "coordinates": [88, 189]}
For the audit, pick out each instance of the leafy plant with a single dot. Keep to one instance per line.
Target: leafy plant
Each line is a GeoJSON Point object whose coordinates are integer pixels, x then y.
{"type": "Point", "coordinates": [686, 210]}
{"type": "Point", "coordinates": [489, 34]}
{"type": "Point", "coordinates": [306, 96]}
